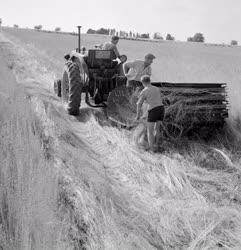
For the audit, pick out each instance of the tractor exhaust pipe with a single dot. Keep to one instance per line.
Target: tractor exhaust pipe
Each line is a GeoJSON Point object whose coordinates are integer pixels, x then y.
{"type": "Point", "coordinates": [79, 38]}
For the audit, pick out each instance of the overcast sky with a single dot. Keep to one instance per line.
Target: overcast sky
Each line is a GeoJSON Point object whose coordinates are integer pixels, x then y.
{"type": "Point", "coordinates": [218, 20]}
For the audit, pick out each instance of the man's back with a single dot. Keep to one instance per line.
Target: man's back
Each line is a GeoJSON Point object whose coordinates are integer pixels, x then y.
{"type": "Point", "coordinates": [137, 69]}
{"type": "Point", "coordinates": [111, 46]}
{"type": "Point", "coordinates": [152, 96]}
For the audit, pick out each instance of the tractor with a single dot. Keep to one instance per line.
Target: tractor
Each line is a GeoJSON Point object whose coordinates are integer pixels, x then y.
{"type": "Point", "coordinates": [100, 73]}
{"type": "Point", "coordinates": [189, 107]}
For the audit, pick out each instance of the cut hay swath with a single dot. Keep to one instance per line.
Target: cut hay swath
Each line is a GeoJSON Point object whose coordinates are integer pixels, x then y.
{"type": "Point", "coordinates": [188, 106]}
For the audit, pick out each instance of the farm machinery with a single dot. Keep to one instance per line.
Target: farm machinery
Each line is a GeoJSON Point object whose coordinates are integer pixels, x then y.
{"type": "Point", "coordinates": [189, 107]}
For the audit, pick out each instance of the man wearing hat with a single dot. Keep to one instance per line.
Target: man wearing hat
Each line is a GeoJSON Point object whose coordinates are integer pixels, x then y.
{"type": "Point", "coordinates": [134, 70]}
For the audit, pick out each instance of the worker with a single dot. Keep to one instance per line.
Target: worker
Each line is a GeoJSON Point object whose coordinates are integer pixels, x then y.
{"type": "Point", "coordinates": [134, 70]}
{"type": "Point", "coordinates": [153, 98]}
{"type": "Point", "coordinates": [112, 45]}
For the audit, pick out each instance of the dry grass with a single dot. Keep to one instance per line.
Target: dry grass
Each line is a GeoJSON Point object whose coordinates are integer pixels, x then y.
{"type": "Point", "coordinates": [28, 192]}
{"type": "Point", "coordinates": [110, 194]}
{"type": "Point", "coordinates": [172, 208]}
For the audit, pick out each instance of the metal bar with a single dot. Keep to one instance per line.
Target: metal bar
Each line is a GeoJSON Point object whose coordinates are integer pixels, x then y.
{"type": "Point", "coordinates": [185, 90]}
{"type": "Point", "coordinates": [79, 38]}
{"type": "Point", "coordinates": [189, 85]}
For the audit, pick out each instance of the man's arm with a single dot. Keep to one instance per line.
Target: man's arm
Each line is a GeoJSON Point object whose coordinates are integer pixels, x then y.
{"type": "Point", "coordinates": [104, 46]}
{"type": "Point", "coordinates": [126, 67]}
{"type": "Point", "coordinates": [149, 71]}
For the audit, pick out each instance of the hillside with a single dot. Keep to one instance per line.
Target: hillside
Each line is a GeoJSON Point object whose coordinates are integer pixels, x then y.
{"type": "Point", "coordinates": [79, 183]}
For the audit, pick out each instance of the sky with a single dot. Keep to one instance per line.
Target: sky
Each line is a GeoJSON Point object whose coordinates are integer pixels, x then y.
{"type": "Point", "coordinates": [218, 20]}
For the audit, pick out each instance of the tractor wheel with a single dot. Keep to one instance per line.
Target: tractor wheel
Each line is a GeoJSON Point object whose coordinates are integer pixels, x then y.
{"type": "Point", "coordinates": [57, 87]}
{"type": "Point", "coordinates": [75, 89]}
{"type": "Point", "coordinates": [65, 87]}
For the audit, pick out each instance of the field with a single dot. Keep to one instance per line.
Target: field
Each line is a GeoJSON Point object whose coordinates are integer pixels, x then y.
{"type": "Point", "coordinates": [79, 183]}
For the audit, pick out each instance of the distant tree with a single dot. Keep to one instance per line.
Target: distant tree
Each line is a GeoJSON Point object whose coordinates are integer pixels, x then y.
{"type": "Point", "coordinates": [170, 37]}
{"type": "Point", "coordinates": [157, 35]}
{"type": "Point", "coordinates": [145, 35]}
{"type": "Point", "coordinates": [57, 29]}
{"type": "Point", "coordinates": [102, 31]}
{"type": "Point", "coordinates": [15, 26]}
{"type": "Point", "coordinates": [190, 39]}
{"type": "Point", "coordinates": [91, 31]}
{"type": "Point", "coordinates": [234, 42]}
{"type": "Point", "coordinates": [198, 37]}
{"type": "Point", "coordinates": [1, 21]}
{"type": "Point", "coordinates": [38, 27]}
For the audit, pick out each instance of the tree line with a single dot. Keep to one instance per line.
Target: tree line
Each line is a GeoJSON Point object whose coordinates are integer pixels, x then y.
{"type": "Point", "coordinates": [121, 33]}
{"type": "Point", "coordinates": [198, 37]}
{"type": "Point", "coordinates": [130, 34]}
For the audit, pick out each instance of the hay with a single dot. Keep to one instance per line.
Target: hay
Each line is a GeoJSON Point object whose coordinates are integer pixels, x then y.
{"type": "Point", "coordinates": [188, 107]}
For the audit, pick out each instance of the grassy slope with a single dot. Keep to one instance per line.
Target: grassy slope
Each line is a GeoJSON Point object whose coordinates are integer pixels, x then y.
{"type": "Point", "coordinates": [28, 199]}
{"type": "Point", "coordinates": [111, 195]}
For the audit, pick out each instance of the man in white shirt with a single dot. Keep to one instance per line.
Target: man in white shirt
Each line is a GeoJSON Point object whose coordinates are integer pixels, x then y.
{"type": "Point", "coordinates": [112, 45]}
{"type": "Point", "coordinates": [136, 69]}
{"type": "Point", "coordinates": [156, 111]}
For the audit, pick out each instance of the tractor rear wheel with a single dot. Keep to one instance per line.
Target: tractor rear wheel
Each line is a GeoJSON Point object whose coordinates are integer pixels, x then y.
{"type": "Point", "coordinates": [65, 87]}
{"type": "Point", "coordinates": [57, 87]}
{"type": "Point", "coordinates": [75, 88]}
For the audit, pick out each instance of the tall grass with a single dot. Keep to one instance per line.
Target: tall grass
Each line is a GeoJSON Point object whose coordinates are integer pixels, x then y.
{"type": "Point", "coordinates": [28, 181]}
{"type": "Point", "coordinates": [175, 201]}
